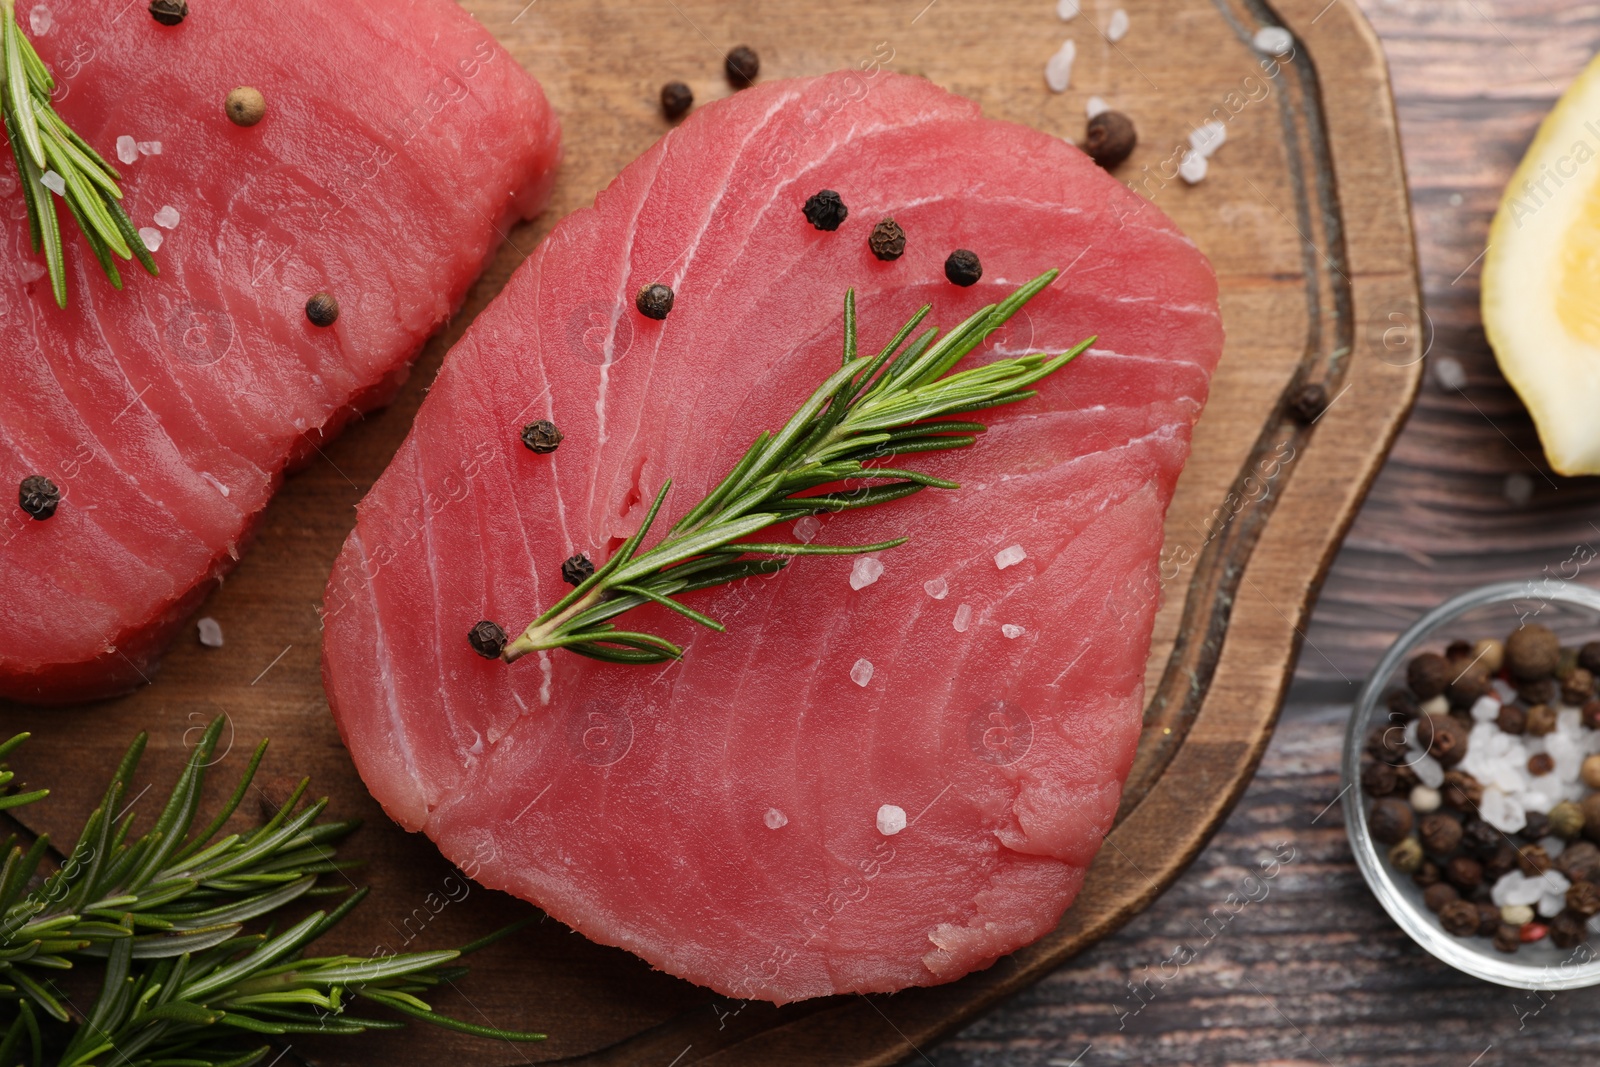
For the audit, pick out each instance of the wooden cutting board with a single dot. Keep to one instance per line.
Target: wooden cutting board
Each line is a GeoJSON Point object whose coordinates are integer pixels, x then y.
{"type": "Point", "coordinates": [1304, 214]}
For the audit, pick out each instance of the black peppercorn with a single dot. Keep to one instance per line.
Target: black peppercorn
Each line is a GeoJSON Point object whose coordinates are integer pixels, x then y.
{"type": "Point", "coordinates": [1445, 738]}
{"type": "Point", "coordinates": [654, 301]}
{"type": "Point", "coordinates": [1511, 719]}
{"type": "Point", "coordinates": [1387, 743]}
{"type": "Point", "coordinates": [1488, 918]}
{"type": "Point", "coordinates": [1458, 649]}
{"type": "Point", "coordinates": [577, 569]}
{"type": "Point", "coordinates": [1110, 139]}
{"type": "Point", "coordinates": [1568, 930]}
{"type": "Point", "coordinates": [1584, 899]}
{"type": "Point", "coordinates": [1429, 674]}
{"type": "Point", "coordinates": [1378, 779]}
{"type": "Point", "coordinates": [1390, 819]}
{"type": "Point", "coordinates": [825, 210]}
{"type": "Point", "coordinates": [1437, 895]}
{"type": "Point", "coordinates": [38, 496]}
{"type": "Point", "coordinates": [1591, 714]}
{"type": "Point", "coordinates": [322, 309]}
{"type": "Point", "coordinates": [888, 240]}
{"type": "Point", "coordinates": [1403, 702]}
{"type": "Point", "coordinates": [676, 99]}
{"type": "Point", "coordinates": [1427, 874]}
{"type": "Point", "coordinates": [169, 12]}
{"type": "Point", "coordinates": [1535, 825]}
{"type": "Point", "coordinates": [487, 639]}
{"type": "Point", "coordinates": [1578, 686]}
{"type": "Point", "coordinates": [963, 267]}
{"type": "Point", "coordinates": [1502, 863]}
{"type": "Point", "coordinates": [1459, 918]}
{"type": "Point", "coordinates": [1542, 691]}
{"type": "Point", "coordinates": [1508, 938]}
{"type": "Point", "coordinates": [1533, 859]}
{"type": "Point", "coordinates": [1461, 791]}
{"type": "Point", "coordinates": [1308, 403]}
{"type": "Point", "coordinates": [1440, 833]}
{"type": "Point", "coordinates": [1464, 872]}
{"type": "Point", "coordinates": [542, 437]}
{"type": "Point", "coordinates": [1580, 861]}
{"type": "Point", "coordinates": [1589, 657]}
{"type": "Point", "coordinates": [742, 65]}
{"type": "Point", "coordinates": [1481, 839]}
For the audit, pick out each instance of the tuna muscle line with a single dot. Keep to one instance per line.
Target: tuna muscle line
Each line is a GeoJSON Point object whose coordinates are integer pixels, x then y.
{"type": "Point", "coordinates": [872, 408]}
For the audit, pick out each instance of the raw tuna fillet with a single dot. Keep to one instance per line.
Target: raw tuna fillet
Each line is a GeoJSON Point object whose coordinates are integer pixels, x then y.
{"type": "Point", "coordinates": [399, 139]}
{"type": "Point", "coordinates": [720, 817]}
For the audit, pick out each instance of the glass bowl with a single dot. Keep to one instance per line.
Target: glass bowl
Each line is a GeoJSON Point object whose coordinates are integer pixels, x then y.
{"type": "Point", "coordinates": [1573, 612]}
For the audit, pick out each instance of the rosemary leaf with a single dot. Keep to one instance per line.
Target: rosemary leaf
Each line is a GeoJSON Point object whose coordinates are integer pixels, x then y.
{"type": "Point", "coordinates": [873, 407]}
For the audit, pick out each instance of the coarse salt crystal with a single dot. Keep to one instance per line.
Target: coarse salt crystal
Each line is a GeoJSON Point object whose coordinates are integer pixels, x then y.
{"type": "Point", "coordinates": [167, 218]}
{"type": "Point", "coordinates": [963, 618]}
{"type": "Point", "coordinates": [127, 149]}
{"type": "Point", "coordinates": [1207, 137]}
{"type": "Point", "coordinates": [807, 528]}
{"type": "Point", "coordinates": [151, 237]}
{"type": "Point", "coordinates": [937, 588]}
{"type": "Point", "coordinates": [1503, 813]}
{"type": "Point", "coordinates": [55, 183]}
{"type": "Point", "coordinates": [1058, 69]}
{"type": "Point", "coordinates": [1011, 631]}
{"type": "Point", "coordinates": [891, 819]}
{"type": "Point", "coordinates": [210, 632]}
{"type": "Point", "coordinates": [1193, 168]}
{"type": "Point", "coordinates": [1450, 373]}
{"type": "Point", "coordinates": [1504, 690]}
{"type": "Point", "coordinates": [1274, 41]}
{"type": "Point", "coordinates": [1117, 28]}
{"type": "Point", "coordinates": [1507, 884]}
{"type": "Point", "coordinates": [149, 148]}
{"type": "Point", "coordinates": [1096, 106]}
{"type": "Point", "coordinates": [1485, 709]}
{"type": "Point", "coordinates": [1007, 557]}
{"type": "Point", "coordinates": [1551, 905]}
{"type": "Point", "coordinates": [861, 673]}
{"type": "Point", "coordinates": [1066, 10]}
{"type": "Point", "coordinates": [40, 20]}
{"type": "Point", "coordinates": [775, 819]}
{"type": "Point", "coordinates": [1553, 846]}
{"type": "Point", "coordinates": [1429, 773]}
{"type": "Point", "coordinates": [866, 571]}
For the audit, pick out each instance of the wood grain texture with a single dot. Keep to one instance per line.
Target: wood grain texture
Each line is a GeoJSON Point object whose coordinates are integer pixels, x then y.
{"type": "Point", "coordinates": [1305, 217]}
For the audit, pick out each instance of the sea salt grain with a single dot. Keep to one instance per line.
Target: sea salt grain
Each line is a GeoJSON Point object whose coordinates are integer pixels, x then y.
{"type": "Point", "coordinates": [1430, 774]}
{"type": "Point", "coordinates": [861, 673]}
{"type": "Point", "coordinates": [210, 632]}
{"type": "Point", "coordinates": [775, 819]}
{"type": "Point", "coordinates": [963, 618]}
{"type": "Point", "coordinates": [167, 218]}
{"type": "Point", "coordinates": [1485, 709]}
{"type": "Point", "coordinates": [55, 183]}
{"type": "Point", "coordinates": [1274, 41]}
{"type": "Point", "coordinates": [891, 819]}
{"type": "Point", "coordinates": [1096, 106]}
{"type": "Point", "coordinates": [937, 588]}
{"type": "Point", "coordinates": [127, 149]}
{"type": "Point", "coordinates": [1193, 168]}
{"type": "Point", "coordinates": [1066, 10]}
{"type": "Point", "coordinates": [149, 148]}
{"type": "Point", "coordinates": [866, 571]}
{"type": "Point", "coordinates": [151, 237]}
{"type": "Point", "coordinates": [807, 528]}
{"type": "Point", "coordinates": [40, 20]}
{"type": "Point", "coordinates": [1207, 137]}
{"type": "Point", "coordinates": [1011, 631]}
{"type": "Point", "coordinates": [1007, 557]}
{"type": "Point", "coordinates": [1117, 28]}
{"type": "Point", "coordinates": [1058, 70]}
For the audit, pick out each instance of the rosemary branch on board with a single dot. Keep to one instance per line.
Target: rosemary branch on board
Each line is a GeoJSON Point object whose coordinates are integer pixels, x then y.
{"type": "Point", "coordinates": [49, 153]}
{"type": "Point", "coordinates": [872, 408]}
{"type": "Point", "coordinates": [185, 984]}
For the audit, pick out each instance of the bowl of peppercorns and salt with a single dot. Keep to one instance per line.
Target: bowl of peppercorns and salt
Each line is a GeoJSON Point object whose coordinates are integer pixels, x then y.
{"type": "Point", "coordinates": [1472, 784]}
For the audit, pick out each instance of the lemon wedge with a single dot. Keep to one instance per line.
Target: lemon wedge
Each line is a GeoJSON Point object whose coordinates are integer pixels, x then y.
{"type": "Point", "coordinates": [1541, 280]}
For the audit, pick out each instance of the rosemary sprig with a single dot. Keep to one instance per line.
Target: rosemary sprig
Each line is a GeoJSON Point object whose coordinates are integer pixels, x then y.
{"type": "Point", "coordinates": [872, 408]}
{"type": "Point", "coordinates": [45, 146]}
{"type": "Point", "coordinates": [185, 984]}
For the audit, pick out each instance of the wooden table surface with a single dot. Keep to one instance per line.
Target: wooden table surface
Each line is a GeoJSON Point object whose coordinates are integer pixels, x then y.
{"type": "Point", "coordinates": [1312, 971]}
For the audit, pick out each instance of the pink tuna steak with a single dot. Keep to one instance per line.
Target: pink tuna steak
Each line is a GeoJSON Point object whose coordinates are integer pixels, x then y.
{"type": "Point", "coordinates": [731, 818]}
{"type": "Point", "coordinates": [398, 138]}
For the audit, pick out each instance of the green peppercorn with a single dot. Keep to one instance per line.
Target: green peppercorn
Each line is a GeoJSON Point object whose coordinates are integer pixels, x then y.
{"type": "Point", "coordinates": [1406, 855]}
{"type": "Point", "coordinates": [1566, 820]}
